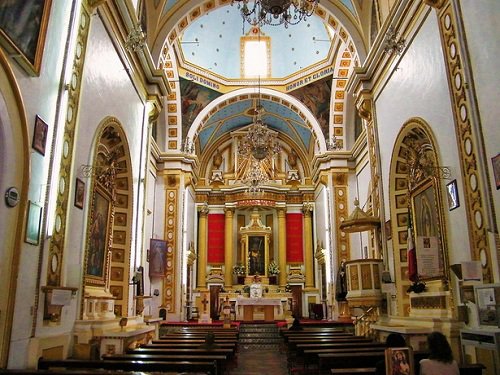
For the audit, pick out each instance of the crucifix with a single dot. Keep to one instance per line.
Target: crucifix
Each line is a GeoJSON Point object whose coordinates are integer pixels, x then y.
{"type": "Point", "coordinates": [204, 302]}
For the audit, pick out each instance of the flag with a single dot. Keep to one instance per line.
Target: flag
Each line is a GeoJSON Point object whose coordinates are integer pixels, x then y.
{"type": "Point", "coordinates": [412, 255]}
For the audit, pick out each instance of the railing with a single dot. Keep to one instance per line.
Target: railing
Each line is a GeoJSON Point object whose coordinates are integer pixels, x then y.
{"type": "Point", "coordinates": [362, 323]}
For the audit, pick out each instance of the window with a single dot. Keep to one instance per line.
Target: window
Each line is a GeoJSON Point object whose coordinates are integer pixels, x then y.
{"type": "Point", "coordinates": [255, 54]}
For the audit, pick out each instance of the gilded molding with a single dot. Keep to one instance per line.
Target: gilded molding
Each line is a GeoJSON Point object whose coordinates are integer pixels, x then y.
{"type": "Point", "coordinates": [171, 213]}
{"type": "Point", "coordinates": [58, 241]}
{"type": "Point", "coordinates": [341, 214]}
{"type": "Point", "coordinates": [463, 107]}
{"type": "Point", "coordinates": [435, 3]}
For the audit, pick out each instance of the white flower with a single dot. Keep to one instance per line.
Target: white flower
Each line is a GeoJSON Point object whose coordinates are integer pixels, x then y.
{"type": "Point", "coordinates": [273, 268]}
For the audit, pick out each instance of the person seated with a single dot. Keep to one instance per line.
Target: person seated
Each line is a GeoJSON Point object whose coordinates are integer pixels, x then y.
{"type": "Point", "coordinates": [440, 361]}
{"type": "Point", "coordinates": [296, 326]}
{"type": "Point", "coordinates": [393, 340]}
{"type": "Point", "coordinates": [209, 343]}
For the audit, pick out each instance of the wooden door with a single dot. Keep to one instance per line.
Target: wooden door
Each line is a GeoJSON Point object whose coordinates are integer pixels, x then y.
{"type": "Point", "coordinates": [297, 300]}
{"type": "Point", "coordinates": [214, 301]}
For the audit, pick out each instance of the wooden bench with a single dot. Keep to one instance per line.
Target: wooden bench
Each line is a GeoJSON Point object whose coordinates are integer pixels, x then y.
{"type": "Point", "coordinates": [353, 371]}
{"type": "Point", "coordinates": [183, 351]}
{"type": "Point", "coordinates": [209, 367]}
{"type": "Point", "coordinates": [221, 359]}
{"type": "Point", "coordinates": [223, 345]}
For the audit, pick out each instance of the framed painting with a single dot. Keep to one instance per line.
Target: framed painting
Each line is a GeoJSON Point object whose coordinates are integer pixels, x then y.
{"type": "Point", "coordinates": [496, 169]}
{"type": "Point", "coordinates": [399, 361]}
{"type": "Point", "coordinates": [452, 195]}
{"type": "Point", "coordinates": [256, 255]}
{"type": "Point", "coordinates": [98, 237]}
{"type": "Point", "coordinates": [40, 135]}
{"type": "Point", "coordinates": [157, 257]}
{"type": "Point", "coordinates": [33, 222]}
{"type": "Point", "coordinates": [427, 232]}
{"type": "Point", "coordinates": [79, 193]}
{"type": "Point", "coordinates": [23, 27]}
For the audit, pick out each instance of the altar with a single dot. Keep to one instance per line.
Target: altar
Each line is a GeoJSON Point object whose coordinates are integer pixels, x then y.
{"type": "Point", "coordinates": [259, 308]}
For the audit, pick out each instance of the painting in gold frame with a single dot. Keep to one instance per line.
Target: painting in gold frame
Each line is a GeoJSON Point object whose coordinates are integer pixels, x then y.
{"type": "Point", "coordinates": [98, 238]}
{"type": "Point", "coordinates": [399, 361]}
{"type": "Point", "coordinates": [427, 231]}
{"type": "Point", "coordinates": [23, 27]}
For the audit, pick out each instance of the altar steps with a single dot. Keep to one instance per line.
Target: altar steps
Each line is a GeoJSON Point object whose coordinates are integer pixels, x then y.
{"type": "Point", "coordinates": [255, 336]}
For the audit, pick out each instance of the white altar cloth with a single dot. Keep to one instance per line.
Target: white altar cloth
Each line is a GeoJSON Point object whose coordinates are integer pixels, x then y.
{"type": "Point", "coordinates": [243, 301]}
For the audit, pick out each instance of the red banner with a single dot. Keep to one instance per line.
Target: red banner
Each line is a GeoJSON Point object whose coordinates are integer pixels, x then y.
{"type": "Point", "coordinates": [216, 233]}
{"type": "Point", "coordinates": [294, 238]}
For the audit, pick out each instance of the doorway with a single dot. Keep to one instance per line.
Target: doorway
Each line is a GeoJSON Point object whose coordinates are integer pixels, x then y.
{"type": "Point", "coordinates": [214, 301]}
{"type": "Point", "coordinates": [296, 300]}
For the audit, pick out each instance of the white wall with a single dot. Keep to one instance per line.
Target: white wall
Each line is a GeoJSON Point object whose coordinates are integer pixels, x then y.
{"type": "Point", "coordinates": [419, 88]}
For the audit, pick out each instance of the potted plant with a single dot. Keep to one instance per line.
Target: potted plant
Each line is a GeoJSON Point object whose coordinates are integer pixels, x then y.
{"type": "Point", "coordinates": [239, 270]}
{"type": "Point", "coordinates": [273, 270]}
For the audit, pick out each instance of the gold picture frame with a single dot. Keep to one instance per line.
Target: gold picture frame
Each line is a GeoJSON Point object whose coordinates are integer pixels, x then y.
{"type": "Point", "coordinates": [25, 42]}
{"type": "Point", "coordinates": [428, 231]}
{"type": "Point", "coordinates": [399, 361]}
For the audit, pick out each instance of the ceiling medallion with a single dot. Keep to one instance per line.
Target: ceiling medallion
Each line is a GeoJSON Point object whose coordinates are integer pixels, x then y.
{"type": "Point", "coordinates": [275, 12]}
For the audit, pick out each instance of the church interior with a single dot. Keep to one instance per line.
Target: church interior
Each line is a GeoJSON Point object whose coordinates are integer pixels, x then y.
{"type": "Point", "coordinates": [199, 163]}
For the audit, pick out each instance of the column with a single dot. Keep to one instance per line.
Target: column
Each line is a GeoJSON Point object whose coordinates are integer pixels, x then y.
{"type": "Point", "coordinates": [308, 246]}
{"type": "Point", "coordinates": [202, 248]}
{"type": "Point", "coordinates": [282, 246]}
{"type": "Point", "coordinates": [228, 247]}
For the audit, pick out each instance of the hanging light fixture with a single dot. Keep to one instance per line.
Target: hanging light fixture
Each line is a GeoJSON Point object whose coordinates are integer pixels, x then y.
{"type": "Point", "coordinates": [275, 12]}
{"type": "Point", "coordinates": [256, 151]}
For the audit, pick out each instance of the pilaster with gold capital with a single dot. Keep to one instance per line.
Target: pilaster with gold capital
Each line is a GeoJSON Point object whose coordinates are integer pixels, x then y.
{"type": "Point", "coordinates": [202, 247]}
{"type": "Point", "coordinates": [282, 245]}
{"type": "Point", "coordinates": [307, 209]}
{"type": "Point", "coordinates": [228, 246]}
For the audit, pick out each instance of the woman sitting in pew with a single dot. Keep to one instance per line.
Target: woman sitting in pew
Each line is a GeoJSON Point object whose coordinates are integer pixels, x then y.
{"type": "Point", "coordinates": [393, 340]}
{"type": "Point", "coordinates": [440, 361]}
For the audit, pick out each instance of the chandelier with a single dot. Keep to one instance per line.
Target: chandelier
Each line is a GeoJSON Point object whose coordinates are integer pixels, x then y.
{"type": "Point", "coordinates": [275, 12]}
{"type": "Point", "coordinates": [256, 151]}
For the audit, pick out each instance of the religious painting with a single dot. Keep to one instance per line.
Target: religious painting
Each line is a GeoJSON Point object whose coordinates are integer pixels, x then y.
{"type": "Point", "coordinates": [98, 236]}
{"type": "Point", "coordinates": [316, 96]}
{"type": "Point", "coordinates": [399, 361]}
{"type": "Point", "coordinates": [33, 223]}
{"type": "Point", "coordinates": [452, 195]}
{"type": "Point", "coordinates": [194, 98]}
{"type": "Point", "coordinates": [496, 169]}
{"type": "Point", "coordinates": [23, 26]}
{"type": "Point", "coordinates": [40, 135]}
{"type": "Point", "coordinates": [427, 229]}
{"type": "Point", "coordinates": [79, 193]}
{"type": "Point", "coordinates": [256, 255]}
{"type": "Point", "coordinates": [157, 257]}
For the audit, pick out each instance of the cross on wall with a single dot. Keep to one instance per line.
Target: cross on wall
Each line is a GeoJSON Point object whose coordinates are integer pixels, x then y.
{"type": "Point", "coordinates": [204, 302]}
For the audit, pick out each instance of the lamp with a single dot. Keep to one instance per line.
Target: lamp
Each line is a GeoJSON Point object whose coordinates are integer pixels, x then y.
{"type": "Point", "coordinates": [275, 12]}
{"type": "Point", "coordinates": [359, 220]}
{"type": "Point", "coordinates": [391, 42]}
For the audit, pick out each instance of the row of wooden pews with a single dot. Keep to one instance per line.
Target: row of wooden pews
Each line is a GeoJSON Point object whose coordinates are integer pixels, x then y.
{"type": "Point", "coordinates": [182, 350]}
{"type": "Point", "coordinates": [333, 351]}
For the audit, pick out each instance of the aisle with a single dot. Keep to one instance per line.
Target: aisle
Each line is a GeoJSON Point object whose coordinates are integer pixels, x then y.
{"type": "Point", "coordinates": [253, 361]}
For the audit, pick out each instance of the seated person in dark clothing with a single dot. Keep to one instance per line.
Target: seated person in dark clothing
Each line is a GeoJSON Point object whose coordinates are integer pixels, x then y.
{"type": "Point", "coordinates": [209, 343]}
{"type": "Point", "coordinates": [393, 340]}
{"type": "Point", "coordinates": [296, 326]}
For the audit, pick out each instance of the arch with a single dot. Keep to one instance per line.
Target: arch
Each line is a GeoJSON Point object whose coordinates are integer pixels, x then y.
{"type": "Point", "coordinates": [286, 100]}
{"type": "Point", "coordinates": [108, 251]}
{"type": "Point", "coordinates": [14, 150]}
{"type": "Point", "coordinates": [406, 175]}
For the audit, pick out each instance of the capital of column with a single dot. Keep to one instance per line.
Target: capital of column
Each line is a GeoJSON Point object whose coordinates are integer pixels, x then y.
{"type": "Point", "coordinates": [435, 3]}
{"type": "Point", "coordinates": [204, 209]}
{"type": "Point", "coordinates": [307, 208]}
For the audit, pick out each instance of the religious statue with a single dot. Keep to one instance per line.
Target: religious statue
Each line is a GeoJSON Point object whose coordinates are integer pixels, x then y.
{"type": "Point", "coordinates": [256, 257]}
{"type": "Point", "coordinates": [341, 284]}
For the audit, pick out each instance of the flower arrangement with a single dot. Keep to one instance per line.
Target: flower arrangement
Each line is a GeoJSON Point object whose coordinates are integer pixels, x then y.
{"type": "Point", "coordinates": [273, 268]}
{"type": "Point", "coordinates": [239, 269]}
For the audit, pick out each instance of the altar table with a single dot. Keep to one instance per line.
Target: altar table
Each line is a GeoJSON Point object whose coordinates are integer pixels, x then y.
{"type": "Point", "coordinates": [267, 303]}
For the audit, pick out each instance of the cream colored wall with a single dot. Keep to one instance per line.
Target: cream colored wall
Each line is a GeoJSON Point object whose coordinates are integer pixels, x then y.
{"type": "Point", "coordinates": [482, 25]}
{"type": "Point", "coordinates": [105, 88]}
{"type": "Point", "coordinates": [39, 96]}
{"type": "Point", "coordinates": [419, 88]}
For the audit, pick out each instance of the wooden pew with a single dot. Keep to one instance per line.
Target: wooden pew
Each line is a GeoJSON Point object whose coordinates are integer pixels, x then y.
{"type": "Point", "coordinates": [221, 359]}
{"type": "Point", "coordinates": [199, 341]}
{"type": "Point", "coordinates": [223, 345]}
{"type": "Point", "coordinates": [183, 351]}
{"type": "Point", "coordinates": [210, 367]}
